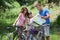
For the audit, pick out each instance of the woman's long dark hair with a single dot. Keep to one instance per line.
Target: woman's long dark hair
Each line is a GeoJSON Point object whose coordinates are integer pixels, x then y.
{"type": "Point", "coordinates": [22, 11]}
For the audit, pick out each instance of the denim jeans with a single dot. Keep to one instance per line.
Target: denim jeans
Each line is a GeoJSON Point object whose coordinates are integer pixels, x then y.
{"type": "Point", "coordinates": [31, 37]}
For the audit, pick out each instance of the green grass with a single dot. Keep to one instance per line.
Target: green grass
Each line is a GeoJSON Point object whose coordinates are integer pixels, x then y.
{"type": "Point", "coordinates": [54, 37]}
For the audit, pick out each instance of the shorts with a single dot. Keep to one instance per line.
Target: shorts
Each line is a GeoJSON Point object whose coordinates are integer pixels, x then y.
{"type": "Point", "coordinates": [45, 30]}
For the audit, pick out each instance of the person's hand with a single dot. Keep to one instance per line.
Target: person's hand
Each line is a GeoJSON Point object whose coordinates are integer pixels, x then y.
{"type": "Point", "coordinates": [42, 16]}
{"type": "Point", "coordinates": [14, 24]}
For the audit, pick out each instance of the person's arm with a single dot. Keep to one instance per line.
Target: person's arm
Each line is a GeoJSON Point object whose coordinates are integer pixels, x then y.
{"type": "Point", "coordinates": [47, 16]}
{"type": "Point", "coordinates": [16, 20]}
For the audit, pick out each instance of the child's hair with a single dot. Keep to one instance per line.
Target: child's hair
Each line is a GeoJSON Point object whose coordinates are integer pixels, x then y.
{"type": "Point", "coordinates": [29, 14]}
{"type": "Point", "coordinates": [23, 9]}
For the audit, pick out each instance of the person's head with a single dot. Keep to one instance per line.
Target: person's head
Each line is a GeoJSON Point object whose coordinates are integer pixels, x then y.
{"type": "Point", "coordinates": [39, 7]}
{"type": "Point", "coordinates": [30, 15]}
{"type": "Point", "coordinates": [24, 10]}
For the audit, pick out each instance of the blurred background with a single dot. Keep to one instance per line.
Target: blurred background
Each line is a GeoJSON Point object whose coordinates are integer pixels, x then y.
{"type": "Point", "coordinates": [9, 10]}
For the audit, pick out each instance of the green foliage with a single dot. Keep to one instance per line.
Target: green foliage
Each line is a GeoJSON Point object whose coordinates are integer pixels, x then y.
{"type": "Point", "coordinates": [41, 1]}
{"type": "Point", "coordinates": [56, 23]}
{"type": "Point", "coordinates": [4, 4]}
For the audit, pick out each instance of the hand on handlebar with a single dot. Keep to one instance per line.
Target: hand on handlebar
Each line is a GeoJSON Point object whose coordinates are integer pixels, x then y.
{"type": "Point", "coordinates": [14, 24]}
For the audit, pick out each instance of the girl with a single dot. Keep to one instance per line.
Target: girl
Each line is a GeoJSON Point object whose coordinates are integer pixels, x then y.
{"type": "Point", "coordinates": [20, 21]}
{"type": "Point", "coordinates": [29, 26]}
{"type": "Point", "coordinates": [31, 31]}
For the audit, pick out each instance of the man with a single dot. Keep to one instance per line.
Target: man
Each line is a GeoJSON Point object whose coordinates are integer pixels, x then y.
{"type": "Point", "coordinates": [44, 13]}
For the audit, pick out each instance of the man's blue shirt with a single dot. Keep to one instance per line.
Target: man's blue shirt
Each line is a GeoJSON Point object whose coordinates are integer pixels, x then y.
{"type": "Point", "coordinates": [44, 13]}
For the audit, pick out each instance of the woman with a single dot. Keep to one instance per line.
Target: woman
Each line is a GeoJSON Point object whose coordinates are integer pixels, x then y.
{"type": "Point", "coordinates": [20, 21]}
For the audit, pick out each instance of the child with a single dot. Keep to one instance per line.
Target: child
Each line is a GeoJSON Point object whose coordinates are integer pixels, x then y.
{"type": "Point", "coordinates": [20, 21]}
{"type": "Point", "coordinates": [29, 26]}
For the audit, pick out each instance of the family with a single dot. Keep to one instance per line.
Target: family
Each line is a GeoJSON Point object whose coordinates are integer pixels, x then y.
{"type": "Point", "coordinates": [25, 18]}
